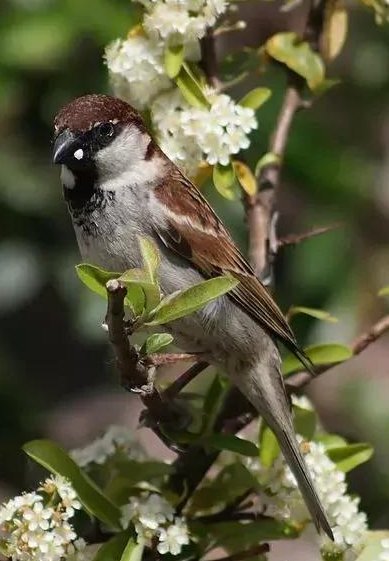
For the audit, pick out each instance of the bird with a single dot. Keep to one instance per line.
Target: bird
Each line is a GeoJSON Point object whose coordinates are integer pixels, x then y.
{"type": "Point", "coordinates": [119, 185]}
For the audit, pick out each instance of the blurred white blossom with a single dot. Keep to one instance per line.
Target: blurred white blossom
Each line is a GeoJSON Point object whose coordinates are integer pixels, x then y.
{"type": "Point", "coordinates": [190, 134]}
{"type": "Point", "coordinates": [282, 499]}
{"type": "Point", "coordinates": [384, 555]}
{"type": "Point", "coordinates": [181, 21]}
{"type": "Point", "coordinates": [36, 526]}
{"type": "Point", "coordinates": [116, 438]}
{"type": "Point", "coordinates": [136, 68]}
{"type": "Point", "coordinates": [153, 516]}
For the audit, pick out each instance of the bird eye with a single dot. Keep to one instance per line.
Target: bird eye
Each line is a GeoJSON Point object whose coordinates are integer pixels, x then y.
{"type": "Point", "coordinates": [106, 130]}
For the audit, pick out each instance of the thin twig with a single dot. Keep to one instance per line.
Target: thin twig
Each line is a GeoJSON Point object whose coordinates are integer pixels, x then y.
{"type": "Point", "coordinates": [184, 379]}
{"type": "Point", "coordinates": [294, 239]}
{"type": "Point", "coordinates": [172, 358]}
{"type": "Point", "coordinates": [299, 380]}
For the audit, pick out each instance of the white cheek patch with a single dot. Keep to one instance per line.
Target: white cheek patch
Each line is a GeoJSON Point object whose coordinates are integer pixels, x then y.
{"type": "Point", "coordinates": [79, 154]}
{"type": "Point", "coordinates": [67, 178]}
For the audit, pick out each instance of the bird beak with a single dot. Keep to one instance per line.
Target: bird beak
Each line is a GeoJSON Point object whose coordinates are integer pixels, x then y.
{"type": "Point", "coordinates": [65, 145]}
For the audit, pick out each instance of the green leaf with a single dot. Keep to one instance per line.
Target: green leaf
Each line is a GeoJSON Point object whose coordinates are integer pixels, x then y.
{"type": "Point", "coordinates": [133, 551]}
{"type": "Point", "coordinates": [232, 482]}
{"type": "Point", "coordinates": [304, 421]}
{"type": "Point", "coordinates": [330, 440]}
{"type": "Point", "coordinates": [151, 257]}
{"type": "Point", "coordinates": [191, 88]}
{"type": "Point", "coordinates": [350, 456]}
{"type": "Point", "coordinates": [113, 548]}
{"type": "Point", "coordinates": [231, 443]}
{"type": "Point", "coordinates": [185, 302]}
{"type": "Point", "coordinates": [173, 59]}
{"type": "Point", "coordinates": [318, 314]}
{"type": "Point", "coordinates": [238, 536]}
{"type": "Point", "coordinates": [269, 448]}
{"type": "Point", "coordinates": [135, 472]}
{"type": "Point", "coordinates": [212, 403]}
{"type": "Point", "coordinates": [156, 342]}
{"type": "Point", "coordinates": [255, 98]}
{"type": "Point", "coordinates": [223, 179]}
{"type": "Point", "coordinates": [139, 279]}
{"type": "Point", "coordinates": [384, 291]}
{"type": "Point", "coordinates": [55, 459]}
{"type": "Point", "coordinates": [319, 355]}
{"type": "Point", "coordinates": [268, 159]}
{"type": "Point", "coordinates": [289, 49]}
{"type": "Point", "coordinates": [95, 278]}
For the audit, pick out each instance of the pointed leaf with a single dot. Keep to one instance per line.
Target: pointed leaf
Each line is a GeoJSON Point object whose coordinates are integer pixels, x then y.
{"type": "Point", "coordinates": [269, 449]}
{"type": "Point", "coordinates": [133, 551]}
{"type": "Point", "coordinates": [212, 403]}
{"type": "Point", "coordinates": [384, 291]}
{"type": "Point", "coordinates": [95, 278]}
{"type": "Point", "coordinates": [185, 302]}
{"type": "Point", "coordinates": [268, 159]}
{"type": "Point", "coordinates": [156, 342]}
{"type": "Point", "coordinates": [151, 257]}
{"type": "Point", "coordinates": [173, 59]}
{"type": "Point", "coordinates": [231, 443]}
{"type": "Point", "coordinates": [319, 355]}
{"type": "Point", "coordinates": [191, 88]}
{"type": "Point", "coordinates": [335, 29]}
{"type": "Point", "coordinates": [113, 548]}
{"type": "Point", "coordinates": [350, 456]}
{"type": "Point", "coordinates": [331, 440]}
{"type": "Point", "coordinates": [232, 482]}
{"type": "Point", "coordinates": [255, 98]}
{"type": "Point", "coordinates": [55, 459]}
{"type": "Point", "coordinates": [289, 49]}
{"type": "Point", "coordinates": [223, 179]}
{"type": "Point", "coordinates": [245, 177]}
{"type": "Point", "coordinates": [318, 314]}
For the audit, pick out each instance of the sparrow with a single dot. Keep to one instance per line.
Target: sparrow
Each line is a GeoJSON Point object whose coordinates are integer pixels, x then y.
{"type": "Point", "coordinates": [119, 186]}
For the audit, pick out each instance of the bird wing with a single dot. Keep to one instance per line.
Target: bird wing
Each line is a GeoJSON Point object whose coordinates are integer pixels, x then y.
{"type": "Point", "coordinates": [193, 231]}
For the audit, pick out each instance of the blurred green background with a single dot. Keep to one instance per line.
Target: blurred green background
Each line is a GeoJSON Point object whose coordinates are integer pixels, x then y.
{"type": "Point", "coordinates": [56, 372]}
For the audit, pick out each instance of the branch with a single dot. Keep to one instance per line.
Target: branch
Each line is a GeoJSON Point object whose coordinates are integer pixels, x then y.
{"type": "Point", "coordinates": [260, 208]}
{"type": "Point", "coordinates": [301, 379]}
{"type": "Point", "coordinates": [209, 58]}
{"type": "Point", "coordinates": [295, 239]}
{"type": "Point", "coordinates": [134, 374]}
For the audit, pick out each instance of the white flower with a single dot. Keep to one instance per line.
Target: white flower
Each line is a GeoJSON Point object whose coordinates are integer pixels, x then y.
{"type": "Point", "coordinates": [284, 501]}
{"type": "Point", "coordinates": [65, 490]}
{"type": "Point", "coordinates": [38, 517]}
{"type": "Point", "coordinates": [149, 511]}
{"type": "Point", "coordinates": [190, 134]}
{"type": "Point", "coordinates": [173, 538]}
{"type": "Point", "coordinates": [116, 438]}
{"type": "Point", "coordinates": [136, 68]}
{"type": "Point", "coordinates": [181, 21]}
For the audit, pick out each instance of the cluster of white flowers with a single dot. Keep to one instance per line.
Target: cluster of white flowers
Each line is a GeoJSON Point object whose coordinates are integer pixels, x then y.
{"type": "Point", "coordinates": [35, 526]}
{"type": "Point", "coordinates": [117, 438]}
{"type": "Point", "coordinates": [153, 517]}
{"type": "Point", "coordinates": [283, 499]}
{"type": "Point", "coordinates": [384, 555]}
{"type": "Point", "coordinates": [136, 69]}
{"type": "Point", "coordinates": [190, 134]}
{"type": "Point", "coordinates": [181, 21]}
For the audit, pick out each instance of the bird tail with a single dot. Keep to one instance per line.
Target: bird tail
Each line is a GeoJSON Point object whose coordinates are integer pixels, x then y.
{"type": "Point", "coordinates": [263, 386]}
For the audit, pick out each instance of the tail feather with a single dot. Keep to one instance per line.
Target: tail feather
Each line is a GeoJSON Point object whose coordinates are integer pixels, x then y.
{"type": "Point", "coordinates": [296, 462]}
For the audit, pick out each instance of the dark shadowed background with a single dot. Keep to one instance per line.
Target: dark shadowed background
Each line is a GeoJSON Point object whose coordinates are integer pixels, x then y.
{"type": "Point", "coordinates": [56, 372]}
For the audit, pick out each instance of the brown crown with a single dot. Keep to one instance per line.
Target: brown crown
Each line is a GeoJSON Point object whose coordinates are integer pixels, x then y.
{"type": "Point", "coordinates": [83, 113]}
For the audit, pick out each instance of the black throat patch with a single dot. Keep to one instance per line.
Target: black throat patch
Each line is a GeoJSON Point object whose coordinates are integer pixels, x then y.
{"type": "Point", "coordinates": [85, 198]}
